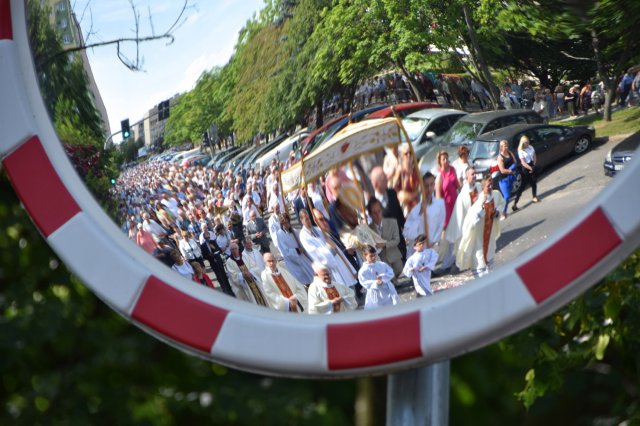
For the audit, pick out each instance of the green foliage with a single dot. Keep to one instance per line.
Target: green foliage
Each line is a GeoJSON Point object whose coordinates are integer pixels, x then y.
{"type": "Point", "coordinates": [68, 359]}
{"type": "Point", "coordinates": [63, 82]}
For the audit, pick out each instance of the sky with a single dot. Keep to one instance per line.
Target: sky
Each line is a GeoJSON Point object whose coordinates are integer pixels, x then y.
{"type": "Point", "coordinates": [205, 39]}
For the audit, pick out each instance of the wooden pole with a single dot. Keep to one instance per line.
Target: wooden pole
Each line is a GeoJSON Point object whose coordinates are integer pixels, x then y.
{"type": "Point", "coordinates": [423, 190]}
{"type": "Point", "coordinates": [362, 204]}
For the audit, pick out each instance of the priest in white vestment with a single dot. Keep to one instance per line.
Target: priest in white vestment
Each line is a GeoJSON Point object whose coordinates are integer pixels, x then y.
{"type": "Point", "coordinates": [480, 231]}
{"type": "Point", "coordinates": [245, 284]}
{"type": "Point", "coordinates": [468, 195]}
{"type": "Point", "coordinates": [252, 257]}
{"type": "Point", "coordinates": [283, 291]}
{"type": "Point", "coordinates": [295, 257]}
{"type": "Point", "coordinates": [414, 225]}
{"type": "Point", "coordinates": [325, 252]}
{"type": "Point", "coordinates": [274, 224]}
{"type": "Point", "coordinates": [327, 296]}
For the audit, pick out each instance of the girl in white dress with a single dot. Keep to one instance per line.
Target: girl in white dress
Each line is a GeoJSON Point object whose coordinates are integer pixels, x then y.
{"type": "Point", "coordinates": [376, 277]}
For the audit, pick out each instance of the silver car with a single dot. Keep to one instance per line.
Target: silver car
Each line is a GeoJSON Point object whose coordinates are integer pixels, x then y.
{"type": "Point", "coordinates": [426, 126]}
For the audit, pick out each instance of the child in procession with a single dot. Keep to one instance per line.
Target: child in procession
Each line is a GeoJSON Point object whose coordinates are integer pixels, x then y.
{"type": "Point", "coordinates": [419, 266]}
{"type": "Point", "coordinates": [376, 277]}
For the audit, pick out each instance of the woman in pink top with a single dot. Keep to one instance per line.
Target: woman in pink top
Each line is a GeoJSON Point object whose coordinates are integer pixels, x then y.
{"type": "Point", "coordinates": [145, 240]}
{"type": "Point", "coordinates": [447, 185]}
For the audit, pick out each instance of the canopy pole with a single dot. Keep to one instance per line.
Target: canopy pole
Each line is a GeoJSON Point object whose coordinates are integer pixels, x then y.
{"type": "Point", "coordinates": [306, 188]}
{"type": "Point", "coordinates": [362, 204]}
{"type": "Point", "coordinates": [423, 190]}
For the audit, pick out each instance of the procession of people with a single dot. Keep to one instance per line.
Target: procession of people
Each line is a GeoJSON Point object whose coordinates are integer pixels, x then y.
{"type": "Point", "coordinates": [341, 257]}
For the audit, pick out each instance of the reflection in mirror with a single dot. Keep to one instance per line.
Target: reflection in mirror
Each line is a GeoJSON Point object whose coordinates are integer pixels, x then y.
{"type": "Point", "coordinates": [196, 180]}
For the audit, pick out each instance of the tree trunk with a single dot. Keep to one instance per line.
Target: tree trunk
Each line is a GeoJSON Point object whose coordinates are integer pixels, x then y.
{"type": "Point", "coordinates": [416, 88]}
{"type": "Point", "coordinates": [319, 116]}
{"type": "Point", "coordinates": [370, 399]}
{"type": "Point", "coordinates": [494, 93]}
{"type": "Point", "coordinates": [604, 76]}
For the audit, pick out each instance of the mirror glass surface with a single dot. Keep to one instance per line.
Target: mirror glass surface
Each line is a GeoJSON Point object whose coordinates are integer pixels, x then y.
{"type": "Point", "coordinates": [113, 106]}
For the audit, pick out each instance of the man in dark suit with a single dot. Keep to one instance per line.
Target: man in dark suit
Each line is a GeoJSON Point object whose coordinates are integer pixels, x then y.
{"type": "Point", "coordinates": [212, 253]}
{"type": "Point", "coordinates": [257, 230]}
{"type": "Point", "coordinates": [390, 205]}
{"type": "Point", "coordinates": [302, 202]}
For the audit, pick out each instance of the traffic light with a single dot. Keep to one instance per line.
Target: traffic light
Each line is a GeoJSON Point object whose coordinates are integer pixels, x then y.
{"type": "Point", "coordinates": [126, 131]}
{"type": "Point", "coordinates": [163, 110]}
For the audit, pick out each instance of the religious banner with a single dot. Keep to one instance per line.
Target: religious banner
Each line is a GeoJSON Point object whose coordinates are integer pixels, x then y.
{"type": "Point", "coordinates": [355, 140]}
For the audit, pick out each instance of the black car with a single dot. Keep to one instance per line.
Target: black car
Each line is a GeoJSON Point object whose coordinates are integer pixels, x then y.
{"type": "Point", "coordinates": [620, 155]}
{"type": "Point", "coordinates": [467, 128]}
{"type": "Point", "coordinates": [551, 143]}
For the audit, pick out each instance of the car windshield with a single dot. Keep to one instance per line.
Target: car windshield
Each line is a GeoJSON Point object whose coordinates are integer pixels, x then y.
{"type": "Point", "coordinates": [413, 126]}
{"type": "Point", "coordinates": [484, 149]}
{"type": "Point", "coordinates": [463, 132]}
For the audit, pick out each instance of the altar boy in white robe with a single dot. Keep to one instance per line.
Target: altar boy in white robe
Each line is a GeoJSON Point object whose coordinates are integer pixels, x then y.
{"type": "Point", "coordinates": [284, 292]}
{"type": "Point", "coordinates": [328, 297]}
{"type": "Point", "coordinates": [376, 277]}
{"type": "Point", "coordinates": [419, 266]}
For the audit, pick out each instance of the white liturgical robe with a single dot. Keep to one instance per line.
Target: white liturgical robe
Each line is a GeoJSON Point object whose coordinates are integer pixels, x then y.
{"type": "Point", "coordinates": [320, 300]}
{"type": "Point", "coordinates": [314, 242]}
{"type": "Point", "coordinates": [297, 263]}
{"type": "Point", "coordinates": [378, 294]}
{"type": "Point", "coordinates": [462, 206]}
{"type": "Point", "coordinates": [421, 279]}
{"type": "Point", "coordinates": [277, 299]}
{"type": "Point", "coordinates": [414, 224]}
{"type": "Point", "coordinates": [471, 248]}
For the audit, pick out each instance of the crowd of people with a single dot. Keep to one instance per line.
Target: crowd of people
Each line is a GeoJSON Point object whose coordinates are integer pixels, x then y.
{"type": "Point", "coordinates": [340, 258]}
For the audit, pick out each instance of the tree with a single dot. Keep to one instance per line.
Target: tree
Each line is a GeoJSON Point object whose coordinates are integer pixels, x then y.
{"type": "Point", "coordinates": [66, 355]}
{"type": "Point", "coordinates": [613, 37]}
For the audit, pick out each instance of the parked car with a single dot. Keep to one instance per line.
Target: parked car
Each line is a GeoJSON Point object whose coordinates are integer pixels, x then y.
{"type": "Point", "coordinates": [465, 131]}
{"type": "Point", "coordinates": [426, 126]}
{"type": "Point", "coordinates": [282, 150]}
{"type": "Point", "coordinates": [228, 154]}
{"type": "Point", "coordinates": [551, 143]}
{"type": "Point", "coordinates": [310, 141]}
{"type": "Point", "coordinates": [195, 159]}
{"type": "Point", "coordinates": [403, 109]}
{"type": "Point", "coordinates": [261, 149]}
{"type": "Point", "coordinates": [179, 157]}
{"type": "Point", "coordinates": [620, 155]}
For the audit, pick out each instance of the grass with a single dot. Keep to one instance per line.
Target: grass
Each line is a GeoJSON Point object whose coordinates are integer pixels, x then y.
{"type": "Point", "coordinates": [623, 122]}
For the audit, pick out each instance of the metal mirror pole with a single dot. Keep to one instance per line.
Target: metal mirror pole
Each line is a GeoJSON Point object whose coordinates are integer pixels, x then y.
{"type": "Point", "coordinates": [419, 396]}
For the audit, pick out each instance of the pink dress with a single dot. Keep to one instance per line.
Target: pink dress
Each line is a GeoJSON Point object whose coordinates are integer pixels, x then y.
{"type": "Point", "coordinates": [449, 181]}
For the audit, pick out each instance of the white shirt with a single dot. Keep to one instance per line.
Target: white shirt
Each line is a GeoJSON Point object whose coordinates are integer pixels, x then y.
{"type": "Point", "coordinates": [527, 154]}
{"type": "Point", "coordinates": [414, 224]}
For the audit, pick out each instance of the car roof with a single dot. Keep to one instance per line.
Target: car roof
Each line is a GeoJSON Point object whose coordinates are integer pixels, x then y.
{"type": "Point", "coordinates": [485, 117]}
{"type": "Point", "coordinates": [386, 112]}
{"type": "Point", "coordinates": [509, 131]}
{"type": "Point", "coordinates": [435, 112]}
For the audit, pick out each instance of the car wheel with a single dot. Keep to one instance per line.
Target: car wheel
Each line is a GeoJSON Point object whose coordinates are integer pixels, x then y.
{"type": "Point", "coordinates": [517, 183]}
{"type": "Point", "coordinates": [581, 145]}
